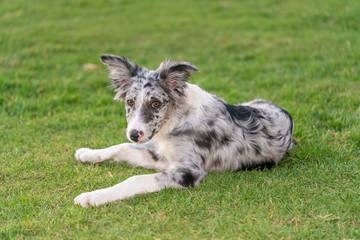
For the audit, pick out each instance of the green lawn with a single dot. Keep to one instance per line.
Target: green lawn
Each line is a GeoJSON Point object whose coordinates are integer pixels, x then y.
{"type": "Point", "coordinates": [303, 55]}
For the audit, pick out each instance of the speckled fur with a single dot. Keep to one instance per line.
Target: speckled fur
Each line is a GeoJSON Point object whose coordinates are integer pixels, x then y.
{"type": "Point", "coordinates": [185, 131]}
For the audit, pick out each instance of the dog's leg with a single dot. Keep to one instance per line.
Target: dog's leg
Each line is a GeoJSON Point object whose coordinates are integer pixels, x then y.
{"type": "Point", "coordinates": [141, 184]}
{"type": "Point", "coordinates": [142, 155]}
{"type": "Point", "coordinates": [126, 189]}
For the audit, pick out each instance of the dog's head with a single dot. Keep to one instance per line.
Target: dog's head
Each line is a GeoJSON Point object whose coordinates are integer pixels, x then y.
{"type": "Point", "coordinates": [148, 95]}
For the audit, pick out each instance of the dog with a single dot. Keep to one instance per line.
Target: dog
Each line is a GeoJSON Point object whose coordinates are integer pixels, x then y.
{"type": "Point", "coordinates": [184, 132]}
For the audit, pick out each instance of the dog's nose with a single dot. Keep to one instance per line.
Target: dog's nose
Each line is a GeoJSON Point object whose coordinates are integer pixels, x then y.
{"type": "Point", "coordinates": [136, 135]}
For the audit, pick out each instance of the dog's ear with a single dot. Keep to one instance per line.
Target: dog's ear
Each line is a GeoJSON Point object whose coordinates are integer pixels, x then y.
{"type": "Point", "coordinates": [174, 74]}
{"type": "Point", "coordinates": [121, 71]}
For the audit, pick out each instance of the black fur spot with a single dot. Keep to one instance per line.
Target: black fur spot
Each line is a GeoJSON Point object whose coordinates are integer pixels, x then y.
{"type": "Point", "coordinates": [152, 134]}
{"type": "Point", "coordinates": [180, 92]}
{"type": "Point", "coordinates": [146, 114]}
{"type": "Point", "coordinates": [240, 113]}
{"type": "Point", "coordinates": [203, 143]}
{"type": "Point", "coordinates": [154, 156]}
{"type": "Point", "coordinates": [259, 166]}
{"type": "Point", "coordinates": [185, 130]}
{"type": "Point", "coordinates": [187, 178]}
{"type": "Point", "coordinates": [268, 165]}
{"type": "Point", "coordinates": [155, 76]}
{"type": "Point", "coordinates": [256, 148]}
{"type": "Point", "coordinates": [205, 139]}
{"type": "Point", "coordinates": [211, 123]}
{"type": "Point", "coordinates": [225, 140]}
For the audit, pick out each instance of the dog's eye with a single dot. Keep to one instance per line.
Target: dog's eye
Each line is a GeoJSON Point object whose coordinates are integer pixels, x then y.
{"type": "Point", "coordinates": [155, 104]}
{"type": "Point", "coordinates": [130, 102]}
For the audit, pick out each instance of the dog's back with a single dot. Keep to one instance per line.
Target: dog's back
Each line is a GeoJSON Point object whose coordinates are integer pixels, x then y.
{"type": "Point", "coordinates": [251, 135]}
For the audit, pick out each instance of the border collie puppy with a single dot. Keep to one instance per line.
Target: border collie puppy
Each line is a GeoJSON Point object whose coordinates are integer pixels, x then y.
{"type": "Point", "coordinates": [184, 132]}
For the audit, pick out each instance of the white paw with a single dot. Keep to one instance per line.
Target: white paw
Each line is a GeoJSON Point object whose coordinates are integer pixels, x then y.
{"type": "Point", "coordinates": [87, 155]}
{"type": "Point", "coordinates": [91, 199]}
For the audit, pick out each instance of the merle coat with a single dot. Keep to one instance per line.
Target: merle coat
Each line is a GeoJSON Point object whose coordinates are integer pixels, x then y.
{"type": "Point", "coordinates": [184, 132]}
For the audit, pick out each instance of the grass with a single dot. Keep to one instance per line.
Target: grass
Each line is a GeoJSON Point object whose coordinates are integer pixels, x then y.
{"type": "Point", "coordinates": [303, 55]}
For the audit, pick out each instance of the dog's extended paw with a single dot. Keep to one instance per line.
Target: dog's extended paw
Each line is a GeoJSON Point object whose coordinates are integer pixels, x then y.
{"type": "Point", "coordinates": [90, 199]}
{"type": "Point", "coordinates": [87, 155]}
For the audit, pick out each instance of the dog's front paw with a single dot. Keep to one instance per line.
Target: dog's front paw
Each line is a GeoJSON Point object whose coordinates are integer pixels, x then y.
{"type": "Point", "coordinates": [90, 199]}
{"type": "Point", "coordinates": [87, 155]}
